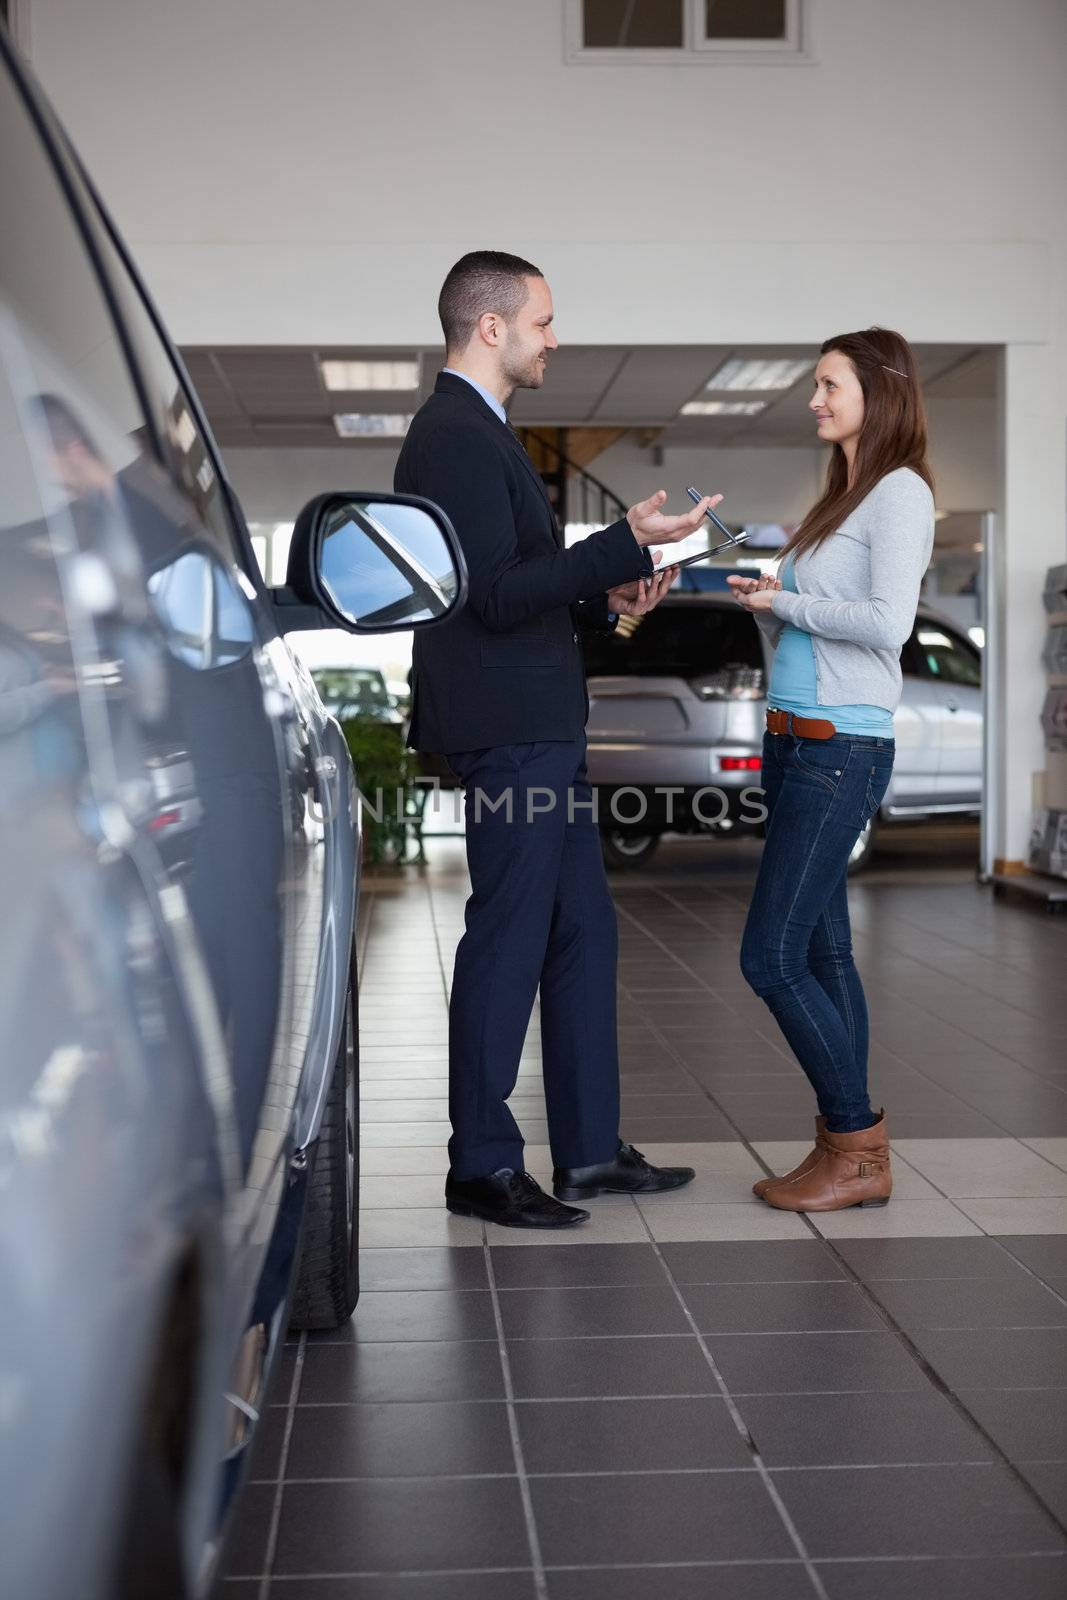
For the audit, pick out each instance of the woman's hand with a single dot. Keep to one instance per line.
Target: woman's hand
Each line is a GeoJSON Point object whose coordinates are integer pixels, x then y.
{"type": "Point", "coordinates": [755, 594]}
{"type": "Point", "coordinates": [635, 599]}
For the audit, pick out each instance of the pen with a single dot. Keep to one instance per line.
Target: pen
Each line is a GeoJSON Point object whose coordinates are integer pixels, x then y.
{"type": "Point", "coordinates": [696, 497]}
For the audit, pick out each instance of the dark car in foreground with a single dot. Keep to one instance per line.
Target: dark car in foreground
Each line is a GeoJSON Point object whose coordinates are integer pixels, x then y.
{"type": "Point", "coordinates": [678, 706]}
{"type": "Point", "coordinates": [179, 849]}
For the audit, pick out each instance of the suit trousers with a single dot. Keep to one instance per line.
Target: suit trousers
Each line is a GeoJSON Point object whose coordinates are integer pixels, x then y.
{"type": "Point", "coordinates": [540, 917]}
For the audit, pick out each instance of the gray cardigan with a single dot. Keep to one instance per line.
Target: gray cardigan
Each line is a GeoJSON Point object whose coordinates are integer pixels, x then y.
{"type": "Point", "coordinates": [858, 591]}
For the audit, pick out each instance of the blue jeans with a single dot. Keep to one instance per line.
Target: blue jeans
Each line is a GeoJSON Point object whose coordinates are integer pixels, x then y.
{"type": "Point", "coordinates": [797, 947]}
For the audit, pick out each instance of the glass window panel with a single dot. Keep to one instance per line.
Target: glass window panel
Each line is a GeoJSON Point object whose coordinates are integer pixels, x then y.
{"type": "Point", "coordinates": [633, 24]}
{"type": "Point", "coordinates": [745, 19]}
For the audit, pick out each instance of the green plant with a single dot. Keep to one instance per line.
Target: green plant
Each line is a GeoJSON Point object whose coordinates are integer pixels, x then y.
{"type": "Point", "coordinates": [384, 772]}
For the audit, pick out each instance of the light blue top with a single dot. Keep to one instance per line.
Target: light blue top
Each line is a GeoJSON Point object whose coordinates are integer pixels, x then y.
{"type": "Point", "coordinates": [794, 685]}
{"type": "Point", "coordinates": [490, 399]}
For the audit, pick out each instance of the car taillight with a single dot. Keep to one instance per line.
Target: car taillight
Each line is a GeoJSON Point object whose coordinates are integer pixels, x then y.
{"type": "Point", "coordinates": [740, 763]}
{"type": "Point", "coordinates": [163, 819]}
{"type": "Point", "coordinates": [732, 683]}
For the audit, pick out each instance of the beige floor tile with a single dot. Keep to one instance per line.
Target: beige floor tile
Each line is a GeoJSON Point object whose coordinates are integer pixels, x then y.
{"type": "Point", "coordinates": [388, 1089]}
{"type": "Point", "coordinates": [404, 1161]}
{"type": "Point", "coordinates": [984, 1169]}
{"type": "Point", "coordinates": [400, 1193]}
{"type": "Point", "coordinates": [401, 1110]}
{"type": "Point", "coordinates": [432, 1225]}
{"type": "Point", "coordinates": [1054, 1150]}
{"type": "Point", "coordinates": [900, 1219]}
{"type": "Point", "coordinates": [429, 1133]}
{"type": "Point", "coordinates": [611, 1221]}
{"type": "Point", "coordinates": [1035, 1215]}
{"type": "Point", "coordinates": [675, 1220]}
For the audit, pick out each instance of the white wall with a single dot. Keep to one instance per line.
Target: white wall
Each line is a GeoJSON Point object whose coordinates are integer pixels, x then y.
{"type": "Point", "coordinates": [302, 174]}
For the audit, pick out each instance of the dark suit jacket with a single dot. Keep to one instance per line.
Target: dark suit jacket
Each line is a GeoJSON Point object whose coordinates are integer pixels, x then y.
{"type": "Point", "coordinates": [508, 668]}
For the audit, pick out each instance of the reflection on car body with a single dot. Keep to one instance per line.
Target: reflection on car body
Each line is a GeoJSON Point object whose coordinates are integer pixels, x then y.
{"type": "Point", "coordinates": [179, 855]}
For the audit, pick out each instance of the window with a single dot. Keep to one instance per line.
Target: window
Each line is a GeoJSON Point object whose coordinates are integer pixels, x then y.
{"type": "Point", "coordinates": [947, 657]}
{"type": "Point", "coordinates": [676, 641]}
{"type": "Point", "coordinates": [723, 32]}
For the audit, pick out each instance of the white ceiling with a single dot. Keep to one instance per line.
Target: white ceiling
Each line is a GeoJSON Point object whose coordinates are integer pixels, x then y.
{"type": "Point", "coordinates": [273, 397]}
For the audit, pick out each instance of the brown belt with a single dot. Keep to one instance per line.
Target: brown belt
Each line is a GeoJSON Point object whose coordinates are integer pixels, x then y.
{"type": "Point", "coordinates": [802, 727]}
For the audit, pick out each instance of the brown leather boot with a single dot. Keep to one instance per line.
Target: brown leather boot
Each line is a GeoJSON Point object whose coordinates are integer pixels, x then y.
{"type": "Point", "coordinates": [852, 1170]}
{"type": "Point", "coordinates": [806, 1165]}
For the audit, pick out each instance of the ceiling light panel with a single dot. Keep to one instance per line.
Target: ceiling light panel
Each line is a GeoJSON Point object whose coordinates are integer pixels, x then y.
{"type": "Point", "coordinates": [723, 408]}
{"type": "Point", "coordinates": [372, 424]}
{"type": "Point", "coordinates": [740, 373]}
{"type": "Point", "coordinates": [361, 377]}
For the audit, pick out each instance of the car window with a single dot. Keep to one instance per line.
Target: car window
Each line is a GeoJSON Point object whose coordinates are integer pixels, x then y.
{"type": "Point", "coordinates": [676, 641]}
{"type": "Point", "coordinates": [947, 657]}
{"type": "Point", "coordinates": [912, 664]}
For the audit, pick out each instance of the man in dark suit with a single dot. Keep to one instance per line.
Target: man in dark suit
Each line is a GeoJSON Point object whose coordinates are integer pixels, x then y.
{"type": "Point", "coordinates": [500, 692]}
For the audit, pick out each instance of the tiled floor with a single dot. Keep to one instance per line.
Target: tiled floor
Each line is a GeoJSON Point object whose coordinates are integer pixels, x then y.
{"type": "Point", "coordinates": [698, 1396]}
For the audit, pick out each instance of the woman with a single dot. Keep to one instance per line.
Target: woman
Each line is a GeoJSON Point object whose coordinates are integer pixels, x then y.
{"type": "Point", "coordinates": [838, 618]}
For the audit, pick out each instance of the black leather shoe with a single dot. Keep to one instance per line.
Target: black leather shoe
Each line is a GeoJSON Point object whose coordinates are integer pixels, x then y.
{"type": "Point", "coordinates": [511, 1198]}
{"type": "Point", "coordinates": [629, 1173]}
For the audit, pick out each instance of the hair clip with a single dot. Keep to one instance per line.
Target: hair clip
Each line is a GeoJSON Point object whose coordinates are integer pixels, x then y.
{"type": "Point", "coordinates": [893, 369]}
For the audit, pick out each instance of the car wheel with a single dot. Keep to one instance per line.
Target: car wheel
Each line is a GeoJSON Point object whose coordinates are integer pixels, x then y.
{"type": "Point", "coordinates": [327, 1285]}
{"type": "Point", "coordinates": [863, 849]}
{"type": "Point", "coordinates": [627, 850]}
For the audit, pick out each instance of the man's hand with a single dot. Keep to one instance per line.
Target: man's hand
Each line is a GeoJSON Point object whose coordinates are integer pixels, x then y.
{"type": "Point", "coordinates": [650, 526]}
{"type": "Point", "coordinates": [634, 599]}
{"type": "Point", "coordinates": [755, 594]}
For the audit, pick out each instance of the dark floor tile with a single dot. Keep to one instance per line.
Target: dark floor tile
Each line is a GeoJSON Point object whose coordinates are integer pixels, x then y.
{"type": "Point", "coordinates": [665, 1517]}
{"type": "Point", "coordinates": [782, 1363]}
{"type": "Point", "coordinates": [422, 1268]}
{"type": "Point", "coordinates": [1049, 1478]}
{"type": "Point", "coordinates": [1045, 1254]}
{"type": "Point", "coordinates": [416, 1371]}
{"type": "Point", "coordinates": [972, 1303]}
{"type": "Point", "coordinates": [987, 1578]}
{"type": "Point", "coordinates": [401, 1440]}
{"type": "Point", "coordinates": [401, 1526]}
{"type": "Point", "coordinates": [596, 1312]}
{"type": "Point", "coordinates": [883, 1260]}
{"type": "Point", "coordinates": [265, 1459]}
{"type": "Point", "coordinates": [780, 1307]}
{"type": "Point", "coordinates": [782, 1581]}
{"type": "Point", "coordinates": [996, 1358]}
{"type": "Point", "coordinates": [544, 1369]}
{"type": "Point", "coordinates": [741, 1261]}
{"type": "Point", "coordinates": [408, 1586]}
{"type": "Point", "coordinates": [400, 1314]}
{"type": "Point", "coordinates": [629, 1436]}
{"type": "Point", "coordinates": [901, 1511]}
{"type": "Point", "coordinates": [1027, 1424]}
{"type": "Point", "coordinates": [245, 1552]}
{"type": "Point", "coordinates": [825, 1430]}
{"type": "Point", "coordinates": [561, 1266]}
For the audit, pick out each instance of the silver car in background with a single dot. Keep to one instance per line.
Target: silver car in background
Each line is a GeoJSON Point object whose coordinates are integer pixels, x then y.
{"type": "Point", "coordinates": [678, 704]}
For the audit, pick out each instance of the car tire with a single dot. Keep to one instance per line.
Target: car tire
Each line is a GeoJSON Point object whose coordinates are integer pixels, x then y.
{"type": "Point", "coordinates": [327, 1284]}
{"type": "Point", "coordinates": [864, 847]}
{"type": "Point", "coordinates": [626, 851]}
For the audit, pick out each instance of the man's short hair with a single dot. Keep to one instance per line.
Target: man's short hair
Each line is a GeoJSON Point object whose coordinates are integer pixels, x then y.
{"type": "Point", "coordinates": [484, 280]}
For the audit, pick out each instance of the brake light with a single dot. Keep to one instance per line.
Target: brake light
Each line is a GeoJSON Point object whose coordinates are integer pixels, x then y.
{"type": "Point", "coordinates": [164, 819]}
{"type": "Point", "coordinates": [740, 763]}
{"type": "Point", "coordinates": [731, 683]}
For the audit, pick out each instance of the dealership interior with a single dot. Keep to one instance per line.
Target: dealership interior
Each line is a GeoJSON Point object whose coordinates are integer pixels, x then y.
{"type": "Point", "coordinates": [692, 1394]}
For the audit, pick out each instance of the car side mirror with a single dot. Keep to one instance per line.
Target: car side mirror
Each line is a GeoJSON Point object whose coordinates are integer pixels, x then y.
{"type": "Point", "coordinates": [371, 563]}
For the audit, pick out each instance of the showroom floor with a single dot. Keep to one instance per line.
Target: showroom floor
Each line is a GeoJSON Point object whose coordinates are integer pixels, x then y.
{"type": "Point", "coordinates": [700, 1396]}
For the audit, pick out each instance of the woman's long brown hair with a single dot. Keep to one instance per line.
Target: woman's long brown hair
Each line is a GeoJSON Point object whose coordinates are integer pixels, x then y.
{"type": "Point", "coordinates": [893, 433]}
